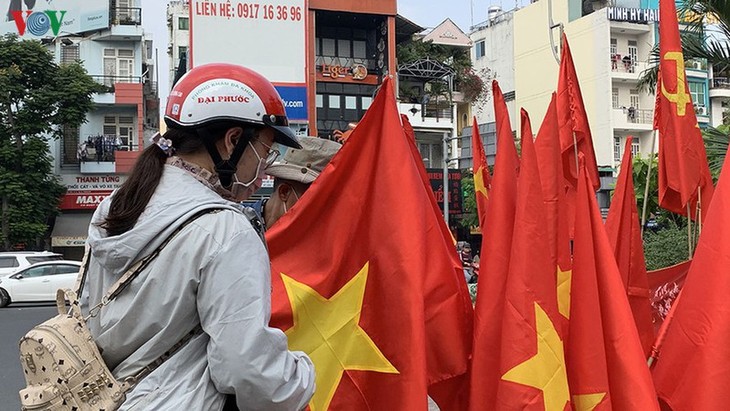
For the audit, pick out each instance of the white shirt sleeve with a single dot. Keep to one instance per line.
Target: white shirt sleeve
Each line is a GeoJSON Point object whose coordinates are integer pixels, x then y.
{"type": "Point", "coordinates": [247, 357]}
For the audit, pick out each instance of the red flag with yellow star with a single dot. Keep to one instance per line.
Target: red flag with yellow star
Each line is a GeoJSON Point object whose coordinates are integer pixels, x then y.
{"type": "Point", "coordinates": [683, 168]}
{"type": "Point", "coordinates": [554, 186]}
{"type": "Point", "coordinates": [573, 122]}
{"type": "Point", "coordinates": [691, 372]}
{"type": "Point", "coordinates": [624, 233]}
{"type": "Point", "coordinates": [607, 367]}
{"type": "Point", "coordinates": [494, 265]}
{"type": "Point", "coordinates": [481, 174]}
{"type": "Point", "coordinates": [363, 278]}
{"type": "Point", "coordinates": [522, 364]}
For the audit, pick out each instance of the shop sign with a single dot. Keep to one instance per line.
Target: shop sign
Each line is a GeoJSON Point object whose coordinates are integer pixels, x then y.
{"type": "Point", "coordinates": [83, 200]}
{"type": "Point", "coordinates": [357, 71]}
{"type": "Point", "coordinates": [436, 177]}
{"type": "Point", "coordinates": [641, 16]}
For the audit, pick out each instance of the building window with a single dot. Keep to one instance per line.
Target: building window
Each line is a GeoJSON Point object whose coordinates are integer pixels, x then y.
{"type": "Point", "coordinates": [614, 98]}
{"type": "Point", "coordinates": [319, 99]}
{"type": "Point", "coordinates": [359, 49]}
{"type": "Point", "coordinates": [366, 102]}
{"type": "Point", "coordinates": [350, 103]}
{"type": "Point", "coordinates": [118, 66]}
{"type": "Point", "coordinates": [120, 130]}
{"type": "Point", "coordinates": [182, 51]}
{"type": "Point", "coordinates": [634, 98]}
{"type": "Point", "coordinates": [72, 150]}
{"type": "Point", "coordinates": [614, 47]}
{"type": "Point", "coordinates": [634, 148]}
{"type": "Point", "coordinates": [617, 148]}
{"type": "Point", "coordinates": [334, 101]}
{"type": "Point", "coordinates": [344, 48]}
{"type": "Point", "coordinates": [69, 54]}
{"type": "Point", "coordinates": [183, 23]}
{"type": "Point", "coordinates": [328, 47]}
{"type": "Point", "coordinates": [480, 49]}
{"type": "Point", "coordinates": [697, 90]}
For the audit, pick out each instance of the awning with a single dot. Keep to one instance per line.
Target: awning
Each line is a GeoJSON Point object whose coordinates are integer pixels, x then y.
{"type": "Point", "coordinates": [71, 230]}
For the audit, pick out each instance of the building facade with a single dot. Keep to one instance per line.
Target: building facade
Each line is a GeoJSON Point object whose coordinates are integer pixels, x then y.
{"type": "Point", "coordinates": [91, 160]}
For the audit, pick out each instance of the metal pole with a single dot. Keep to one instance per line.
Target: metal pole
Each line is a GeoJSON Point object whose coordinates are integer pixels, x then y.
{"type": "Point", "coordinates": [446, 178]}
{"type": "Point", "coordinates": [648, 176]}
{"type": "Point", "coordinates": [689, 229]}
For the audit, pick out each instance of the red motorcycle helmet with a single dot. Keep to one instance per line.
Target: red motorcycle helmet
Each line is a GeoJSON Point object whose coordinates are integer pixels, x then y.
{"type": "Point", "coordinates": [221, 91]}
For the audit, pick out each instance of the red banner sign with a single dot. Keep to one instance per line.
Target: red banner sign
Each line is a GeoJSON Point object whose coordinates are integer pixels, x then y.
{"type": "Point", "coordinates": [83, 200]}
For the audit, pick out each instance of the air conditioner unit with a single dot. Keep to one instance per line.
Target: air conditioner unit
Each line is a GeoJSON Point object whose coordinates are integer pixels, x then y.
{"type": "Point", "coordinates": [697, 65]}
{"type": "Point", "coordinates": [701, 110]}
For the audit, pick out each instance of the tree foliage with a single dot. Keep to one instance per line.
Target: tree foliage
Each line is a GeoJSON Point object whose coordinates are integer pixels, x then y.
{"type": "Point", "coordinates": [469, 218]}
{"type": "Point", "coordinates": [37, 98]}
{"type": "Point", "coordinates": [665, 247]}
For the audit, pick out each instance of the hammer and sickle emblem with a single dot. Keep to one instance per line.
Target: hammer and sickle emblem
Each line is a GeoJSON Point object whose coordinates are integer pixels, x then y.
{"type": "Point", "coordinates": [680, 98]}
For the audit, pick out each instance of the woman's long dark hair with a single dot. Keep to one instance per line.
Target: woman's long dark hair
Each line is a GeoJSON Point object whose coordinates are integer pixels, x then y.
{"type": "Point", "coordinates": [131, 199]}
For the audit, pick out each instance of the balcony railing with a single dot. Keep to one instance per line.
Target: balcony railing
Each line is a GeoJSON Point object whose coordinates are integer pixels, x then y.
{"type": "Point", "coordinates": [721, 82]}
{"type": "Point", "coordinates": [639, 116]}
{"type": "Point", "coordinates": [109, 81]}
{"type": "Point", "coordinates": [624, 64]}
{"type": "Point", "coordinates": [101, 148]}
{"type": "Point", "coordinates": [126, 16]}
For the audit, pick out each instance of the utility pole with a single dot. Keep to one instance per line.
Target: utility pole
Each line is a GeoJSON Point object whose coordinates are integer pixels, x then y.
{"type": "Point", "coordinates": [446, 177]}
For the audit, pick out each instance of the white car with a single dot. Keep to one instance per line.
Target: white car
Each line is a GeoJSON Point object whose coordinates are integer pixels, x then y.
{"type": "Point", "coordinates": [12, 262]}
{"type": "Point", "coordinates": [38, 282]}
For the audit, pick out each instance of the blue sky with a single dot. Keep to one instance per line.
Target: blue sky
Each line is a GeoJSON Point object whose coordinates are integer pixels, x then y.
{"type": "Point", "coordinates": [427, 13]}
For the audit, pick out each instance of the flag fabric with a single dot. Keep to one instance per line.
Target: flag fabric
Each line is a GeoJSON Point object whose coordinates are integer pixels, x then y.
{"type": "Point", "coordinates": [363, 278]}
{"type": "Point", "coordinates": [554, 187]}
{"type": "Point", "coordinates": [521, 364]}
{"type": "Point", "coordinates": [494, 266]}
{"type": "Point", "coordinates": [501, 118]}
{"type": "Point", "coordinates": [683, 165]}
{"type": "Point", "coordinates": [665, 285]}
{"type": "Point", "coordinates": [624, 234]}
{"type": "Point", "coordinates": [691, 372]}
{"type": "Point", "coordinates": [606, 365]}
{"type": "Point", "coordinates": [481, 174]}
{"type": "Point", "coordinates": [573, 122]}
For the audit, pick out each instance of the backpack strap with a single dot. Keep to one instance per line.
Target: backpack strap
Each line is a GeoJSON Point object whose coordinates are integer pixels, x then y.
{"type": "Point", "coordinates": [136, 268]}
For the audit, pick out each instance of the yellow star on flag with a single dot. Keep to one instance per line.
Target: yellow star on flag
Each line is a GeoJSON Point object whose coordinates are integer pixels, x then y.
{"type": "Point", "coordinates": [564, 280]}
{"type": "Point", "coordinates": [587, 402]}
{"type": "Point", "coordinates": [479, 186]}
{"type": "Point", "coordinates": [328, 331]}
{"type": "Point", "coordinates": [546, 370]}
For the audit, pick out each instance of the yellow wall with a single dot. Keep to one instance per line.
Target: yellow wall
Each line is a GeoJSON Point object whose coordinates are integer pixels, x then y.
{"type": "Point", "coordinates": [536, 70]}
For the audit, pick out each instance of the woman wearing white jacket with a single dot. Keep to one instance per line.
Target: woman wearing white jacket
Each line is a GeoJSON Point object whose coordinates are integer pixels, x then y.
{"type": "Point", "coordinates": [223, 121]}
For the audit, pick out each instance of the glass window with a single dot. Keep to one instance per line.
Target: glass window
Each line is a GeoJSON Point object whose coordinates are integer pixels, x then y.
{"type": "Point", "coordinates": [328, 47]}
{"type": "Point", "coordinates": [183, 23]}
{"type": "Point", "coordinates": [67, 269]}
{"type": "Point", "coordinates": [37, 271]}
{"type": "Point", "coordinates": [343, 48]}
{"type": "Point", "coordinates": [697, 90]}
{"type": "Point", "coordinates": [366, 102]}
{"type": "Point", "coordinates": [480, 49]}
{"type": "Point", "coordinates": [34, 260]}
{"type": "Point", "coordinates": [334, 101]}
{"type": "Point", "coordinates": [350, 102]}
{"type": "Point", "coordinates": [634, 148]}
{"type": "Point", "coordinates": [182, 51]}
{"type": "Point", "coordinates": [617, 148]}
{"type": "Point", "coordinates": [614, 98]}
{"type": "Point", "coordinates": [359, 49]}
{"type": "Point", "coordinates": [614, 46]}
{"type": "Point", "coordinates": [8, 262]}
{"type": "Point", "coordinates": [319, 100]}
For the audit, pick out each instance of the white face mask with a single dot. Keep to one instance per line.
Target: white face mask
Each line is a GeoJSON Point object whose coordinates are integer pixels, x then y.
{"type": "Point", "coordinates": [242, 191]}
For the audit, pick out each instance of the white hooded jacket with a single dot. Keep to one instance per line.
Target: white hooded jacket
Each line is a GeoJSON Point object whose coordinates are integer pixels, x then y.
{"type": "Point", "coordinates": [215, 273]}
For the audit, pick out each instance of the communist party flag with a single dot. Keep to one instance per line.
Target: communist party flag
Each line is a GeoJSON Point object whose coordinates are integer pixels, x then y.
{"type": "Point", "coordinates": [554, 186]}
{"type": "Point", "coordinates": [624, 234]}
{"type": "Point", "coordinates": [518, 358]}
{"type": "Point", "coordinates": [606, 364]}
{"type": "Point", "coordinates": [692, 370]}
{"type": "Point", "coordinates": [683, 166]}
{"type": "Point", "coordinates": [573, 122]}
{"type": "Point", "coordinates": [363, 277]}
{"type": "Point", "coordinates": [481, 174]}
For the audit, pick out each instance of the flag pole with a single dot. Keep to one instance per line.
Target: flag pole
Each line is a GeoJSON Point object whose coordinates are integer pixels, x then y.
{"type": "Point", "coordinates": [575, 150]}
{"type": "Point", "coordinates": [655, 135]}
{"type": "Point", "coordinates": [662, 334]}
{"type": "Point", "coordinates": [689, 229]}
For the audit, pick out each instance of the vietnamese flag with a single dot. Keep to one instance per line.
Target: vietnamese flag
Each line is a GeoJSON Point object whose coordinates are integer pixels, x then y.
{"type": "Point", "coordinates": [522, 365]}
{"type": "Point", "coordinates": [624, 234]}
{"type": "Point", "coordinates": [573, 122]}
{"type": "Point", "coordinates": [481, 174]}
{"type": "Point", "coordinates": [606, 364]}
{"type": "Point", "coordinates": [554, 186]}
{"type": "Point", "coordinates": [683, 166]}
{"type": "Point", "coordinates": [363, 278]}
{"type": "Point", "coordinates": [692, 371]}
{"type": "Point", "coordinates": [494, 266]}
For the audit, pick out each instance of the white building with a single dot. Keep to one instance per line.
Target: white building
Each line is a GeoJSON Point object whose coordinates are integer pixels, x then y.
{"type": "Point", "coordinates": [178, 34]}
{"type": "Point", "coordinates": [91, 160]}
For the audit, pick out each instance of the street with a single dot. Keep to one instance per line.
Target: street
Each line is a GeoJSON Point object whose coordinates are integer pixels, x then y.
{"type": "Point", "coordinates": [15, 321]}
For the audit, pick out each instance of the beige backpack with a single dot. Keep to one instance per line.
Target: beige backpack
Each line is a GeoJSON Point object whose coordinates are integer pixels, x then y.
{"type": "Point", "coordinates": [63, 367]}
